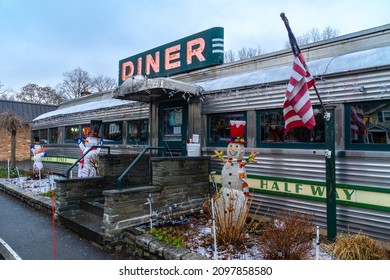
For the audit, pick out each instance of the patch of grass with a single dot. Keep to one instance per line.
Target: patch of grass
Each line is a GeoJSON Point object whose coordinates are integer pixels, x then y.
{"type": "Point", "coordinates": [358, 247]}
{"type": "Point", "coordinates": [13, 173]}
{"type": "Point", "coordinates": [170, 235]}
{"type": "Point", "coordinates": [47, 194]}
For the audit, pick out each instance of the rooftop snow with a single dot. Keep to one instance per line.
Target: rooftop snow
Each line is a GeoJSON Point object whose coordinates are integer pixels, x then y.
{"type": "Point", "coordinates": [348, 62]}
{"type": "Point", "coordinates": [95, 105]}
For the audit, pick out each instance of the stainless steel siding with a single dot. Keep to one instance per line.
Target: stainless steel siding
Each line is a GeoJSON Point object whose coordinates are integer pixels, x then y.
{"type": "Point", "coordinates": [362, 168]}
{"type": "Point", "coordinates": [332, 89]}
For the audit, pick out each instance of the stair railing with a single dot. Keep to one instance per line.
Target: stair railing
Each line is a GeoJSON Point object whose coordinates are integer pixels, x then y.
{"type": "Point", "coordinates": [134, 162]}
{"type": "Point", "coordinates": [77, 161]}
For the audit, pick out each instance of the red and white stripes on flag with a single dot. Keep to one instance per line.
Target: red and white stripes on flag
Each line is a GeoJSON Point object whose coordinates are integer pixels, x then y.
{"type": "Point", "coordinates": [358, 125]}
{"type": "Point", "coordinates": [297, 108]}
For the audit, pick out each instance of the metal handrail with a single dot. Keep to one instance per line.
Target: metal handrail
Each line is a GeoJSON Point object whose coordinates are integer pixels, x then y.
{"type": "Point", "coordinates": [77, 161]}
{"type": "Point", "coordinates": [134, 162]}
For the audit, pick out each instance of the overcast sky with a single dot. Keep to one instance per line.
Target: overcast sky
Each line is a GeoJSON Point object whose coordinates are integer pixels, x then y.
{"type": "Point", "coordinates": [43, 39]}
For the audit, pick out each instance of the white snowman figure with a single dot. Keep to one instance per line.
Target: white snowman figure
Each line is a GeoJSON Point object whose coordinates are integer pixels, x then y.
{"type": "Point", "coordinates": [38, 152]}
{"type": "Point", "coordinates": [87, 165]}
{"type": "Point", "coordinates": [235, 189]}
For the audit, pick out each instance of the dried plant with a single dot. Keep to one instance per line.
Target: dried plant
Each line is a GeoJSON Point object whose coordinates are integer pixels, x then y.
{"type": "Point", "coordinates": [94, 162]}
{"type": "Point", "coordinates": [288, 236]}
{"type": "Point", "coordinates": [231, 218]}
{"type": "Point", "coordinates": [358, 247]}
{"type": "Point", "coordinates": [13, 124]}
{"type": "Point", "coordinates": [34, 174]}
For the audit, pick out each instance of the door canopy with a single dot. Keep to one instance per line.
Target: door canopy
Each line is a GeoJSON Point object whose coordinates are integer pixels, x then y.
{"type": "Point", "coordinates": [143, 89]}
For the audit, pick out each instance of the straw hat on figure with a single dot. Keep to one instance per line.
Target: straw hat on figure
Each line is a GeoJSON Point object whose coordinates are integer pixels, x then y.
{"type": "Point", "coordinates": [235, 189]}
{"type": "Point", "coordinates": [88, 164]}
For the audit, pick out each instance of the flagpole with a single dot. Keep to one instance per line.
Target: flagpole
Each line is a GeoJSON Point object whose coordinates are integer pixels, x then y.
{"type": "Point", "coordinates": [330, 163]}
{"type": "Point", "coordinates": [295, 49]}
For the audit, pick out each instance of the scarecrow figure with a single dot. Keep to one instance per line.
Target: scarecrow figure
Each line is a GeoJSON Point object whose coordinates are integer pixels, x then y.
{"type": "Point", "coordinates": [38, 152]}
{"type": "Point", "coordinates": [88, 164]}
{"type": "Point", "coordinates": [235, 189]}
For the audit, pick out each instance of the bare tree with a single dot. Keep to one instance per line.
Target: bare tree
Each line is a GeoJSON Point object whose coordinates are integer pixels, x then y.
{"type": "Point", "coordinates": [230, 56]}
{"type": "Point", "coordinates": [103, 83]}
{"type": "Point", "coordinates": [4, 93]}
{"type": "Point", "coordinates": [12, 123]}
{"type": "Point", "coordinates": [42, 95]}
{"type": "Point", "coordinates": [314, 35]}
{"type": "Point", "coordinates": [329, 33]}
{"type": "Point", "coordinates": [244, 53]}
{"type": "Point", "coordinates": [74, 83]}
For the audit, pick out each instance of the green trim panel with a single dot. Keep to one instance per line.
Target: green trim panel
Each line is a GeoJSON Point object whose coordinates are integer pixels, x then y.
{"type": "Point", "coordinates": [358, 196]}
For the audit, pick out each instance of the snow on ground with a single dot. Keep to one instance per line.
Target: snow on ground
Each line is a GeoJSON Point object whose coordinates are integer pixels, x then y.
{"type": "Point", "coordinates": [36, 186]}
{"type": "Point", "coordinates": [196, 232]}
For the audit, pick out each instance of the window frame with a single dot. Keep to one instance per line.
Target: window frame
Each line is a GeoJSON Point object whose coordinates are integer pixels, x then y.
{"type": "Point", "coordinates": [133, 142]}
{"type": "Point", "coordinates": [221, 143]}
{"type": "Point", "coordinates": [108, 141]}
{"type": "Point", "coordinates": [67, 140]}
{"type": "Point", "coordinates": [44, 139]}
{"type": "Point", "coordinates": [285, 145]}
{"type": "Point", "coordinates": [347, 129]}
{"type": "Point", "coordinates": [50, 135]}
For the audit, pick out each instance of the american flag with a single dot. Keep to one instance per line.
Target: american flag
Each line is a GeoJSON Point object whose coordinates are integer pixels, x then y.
{"type": "Point", "coordinates": [297, 108]}
{"type": "Point", "coordinates": [358, 125]}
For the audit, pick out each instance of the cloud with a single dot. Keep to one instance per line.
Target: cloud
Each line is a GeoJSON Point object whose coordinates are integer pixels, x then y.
{"type": "Point", "coordinates": [43, 39]}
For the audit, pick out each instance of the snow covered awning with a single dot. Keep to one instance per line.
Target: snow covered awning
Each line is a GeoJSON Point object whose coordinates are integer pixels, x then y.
{"type": "Point", "coordinates": [84, 107]}
{"type": "Point", "coordinates": [140, 88]}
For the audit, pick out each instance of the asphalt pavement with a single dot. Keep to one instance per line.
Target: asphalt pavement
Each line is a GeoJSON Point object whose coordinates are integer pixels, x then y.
{"type": "Point", "coordinates": [29, 233]}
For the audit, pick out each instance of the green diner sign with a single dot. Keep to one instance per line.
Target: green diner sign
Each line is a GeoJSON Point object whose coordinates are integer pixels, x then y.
{"type": "Point", "coordinates": [197, 51]}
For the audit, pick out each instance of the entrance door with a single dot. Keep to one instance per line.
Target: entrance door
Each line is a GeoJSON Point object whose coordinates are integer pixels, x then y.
{"type": "Point", "coordinates": [173, 119]}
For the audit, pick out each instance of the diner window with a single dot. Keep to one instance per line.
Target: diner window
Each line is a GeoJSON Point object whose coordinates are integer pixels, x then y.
{"type": "Point", "coordinates": [368, 125]}
{"type": "Point", "coordinates": [35, 134]}
{"type": "Point", "coordinates": [85, 129]}
{"type": "Point", "coordinates": [72, 133]}
{"type": "Point", "coordinates": [271, 130]}
{"type": "Point", "coordinates": [219, 127]}
{"type": "Point", "coordinates": [43, 136]}
{"type": "Point", "coordinates": [138, 132]}
{"type": "Point", "coordinates": [53, 134]}
{"type": "Point", "coordinates": [112, 132]}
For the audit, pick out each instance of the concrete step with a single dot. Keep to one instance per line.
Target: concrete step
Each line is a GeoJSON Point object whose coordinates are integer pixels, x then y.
{"type": "Point", "coordinates": [84, 223]}
{"type": "Point", "coordinates": [94, 207]}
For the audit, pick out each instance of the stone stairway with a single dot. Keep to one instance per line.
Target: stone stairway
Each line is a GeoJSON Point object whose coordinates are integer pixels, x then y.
{"type": "Point", "coordinates": [86, 221]}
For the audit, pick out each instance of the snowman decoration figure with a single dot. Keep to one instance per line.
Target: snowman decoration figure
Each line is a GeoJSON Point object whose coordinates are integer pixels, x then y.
{"type": "Point", "coordinates": [87, 165]}
{"type": "Point", "coordinates": [235, 190]}
{"type": "Point", "coordinates": [38, 152]}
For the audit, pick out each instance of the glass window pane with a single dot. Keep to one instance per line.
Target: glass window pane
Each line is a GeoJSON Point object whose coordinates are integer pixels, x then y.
{"type": "Point", "coordinates": [113, 131]}
{"type": "Point", "coordinates": [43, 136]}
{"type": "Point", "coordinates": [138, 131]}
{"type": "Point", "coordinates": [369, 123]}
{"type": "Point", "coordinates": [172, 122]}
{"type": "Point", "coordinates": [272, 129]}
{"type": "Point", "coordinates": [85, 129]}
{"type": "Point", "coordinates": [72, 133]}
{"type": "Point", "coordinates": [35, 134]}
{"type": "Point", "coordinates": [219, 126]}
{"type": "Point", "coordinates": [53, 135]}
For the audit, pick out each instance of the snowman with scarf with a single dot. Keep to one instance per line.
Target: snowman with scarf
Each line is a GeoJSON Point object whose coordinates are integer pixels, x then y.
{"type": "Point", "coordinates": [38, 152]}
{"type": "Point", "coordinates": [234, 193]}
{"type": "Point", "coordinates": [87, 165]}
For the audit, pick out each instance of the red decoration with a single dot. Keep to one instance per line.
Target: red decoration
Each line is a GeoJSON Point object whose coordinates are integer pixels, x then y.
{"type": "Point", "coordinates": [237, 131]}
